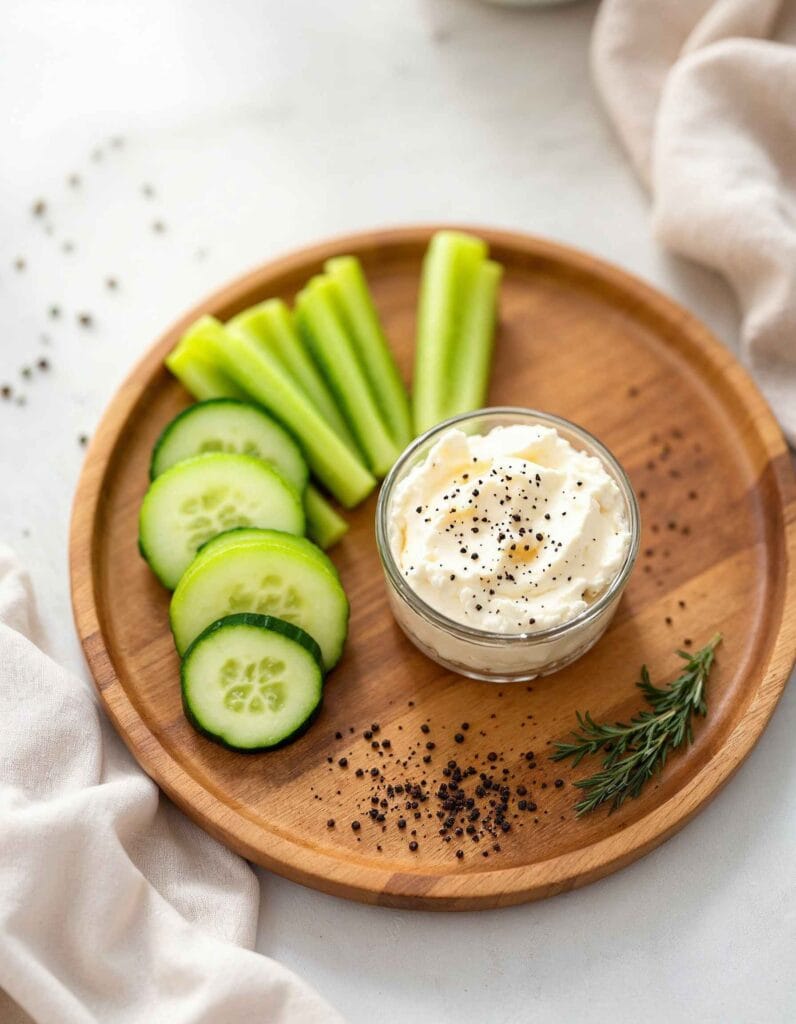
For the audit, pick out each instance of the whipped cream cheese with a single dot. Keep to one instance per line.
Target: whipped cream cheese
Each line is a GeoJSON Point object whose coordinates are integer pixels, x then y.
{"type": "Point", "coordinates": [514, 531]}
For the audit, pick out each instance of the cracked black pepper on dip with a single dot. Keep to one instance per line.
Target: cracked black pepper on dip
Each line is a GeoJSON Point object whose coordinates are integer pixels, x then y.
{"type": "Point", "coordinates": [512, 532]}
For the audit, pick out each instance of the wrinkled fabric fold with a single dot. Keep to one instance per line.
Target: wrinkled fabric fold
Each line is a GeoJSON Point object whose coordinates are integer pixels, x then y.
{"type": "Point", "coordinates": [113, 906]}
{"type": "Point", "coordinates": [703, 99]}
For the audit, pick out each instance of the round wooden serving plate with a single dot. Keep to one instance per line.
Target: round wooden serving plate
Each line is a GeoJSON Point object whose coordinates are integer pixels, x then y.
{"type": "Point", "coordinates": [718, 504]}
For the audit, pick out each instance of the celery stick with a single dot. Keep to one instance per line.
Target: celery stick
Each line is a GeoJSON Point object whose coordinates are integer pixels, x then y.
{"type": "Point", "coordinates": [324, 525]}
{"type": "Point", "coordinates": [254, 370]}
{"type": "Point", "coordinates": [472, 350]}
{"type": "Point", "coordinates": [271, 324]}
{"type": "Point", "coordinates": [448, 268]}
{"type": "Point", "coordinates": [375, 358]}
{"type": "Point", "coordinates": [332, 349]}
{"type": "Point", "coordinates": [198, 376]}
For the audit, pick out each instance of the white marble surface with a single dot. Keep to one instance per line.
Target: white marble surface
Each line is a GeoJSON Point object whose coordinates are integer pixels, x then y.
{"type": "Point", "coordinates": [261, 125]}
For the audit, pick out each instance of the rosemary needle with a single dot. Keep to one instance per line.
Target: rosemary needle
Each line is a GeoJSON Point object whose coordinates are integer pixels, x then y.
{"type": "Point", "coordinates": [636, 751]}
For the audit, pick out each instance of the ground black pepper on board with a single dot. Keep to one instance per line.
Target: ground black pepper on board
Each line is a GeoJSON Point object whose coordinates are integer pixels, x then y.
{"type": "Point", "coordinates": [428, 796]}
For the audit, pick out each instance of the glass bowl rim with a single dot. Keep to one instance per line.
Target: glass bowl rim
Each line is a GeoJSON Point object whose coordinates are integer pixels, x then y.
{"type": "Point", "coordinates": [459, 629]}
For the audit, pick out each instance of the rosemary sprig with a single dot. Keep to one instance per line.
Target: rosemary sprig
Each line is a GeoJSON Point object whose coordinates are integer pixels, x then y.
{"type": "Point", "coordinates": [636, 751]}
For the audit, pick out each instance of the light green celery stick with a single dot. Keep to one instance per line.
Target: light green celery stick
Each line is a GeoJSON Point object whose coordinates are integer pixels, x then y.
{"type": "Point", "coordinates": [199, 377]}
{"type": "Point", "coordinates": [324, 525]}
{"type": "Point", "coordinates": [448, 268]}
{"type": "Point", "coordinates": [271, 324]}
{"type": "Point", "coordinates": [472, 348]}
{"type": "Point", "coordinates": [261, 376]}
{"type": "Point", "coordinates": [362, 320]}
{"type": "Point", "coordinates": [331, 347]}
{"type": "Point", "coordinates": [204, 381]}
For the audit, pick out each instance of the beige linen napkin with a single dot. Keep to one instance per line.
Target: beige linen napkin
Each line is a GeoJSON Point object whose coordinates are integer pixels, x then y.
{"type": "Point", "coordinates": [704, 100]}
{"type": "Point", "coordinates": [114, 908]}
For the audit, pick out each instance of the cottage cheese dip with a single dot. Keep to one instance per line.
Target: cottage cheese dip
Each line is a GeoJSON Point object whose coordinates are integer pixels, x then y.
{"type": "Point", "coordinates": [513, 531]}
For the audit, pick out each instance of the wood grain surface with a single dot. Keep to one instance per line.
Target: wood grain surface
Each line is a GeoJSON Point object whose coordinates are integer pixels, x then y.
{"type": "Point", "coordinates": [579, 338]}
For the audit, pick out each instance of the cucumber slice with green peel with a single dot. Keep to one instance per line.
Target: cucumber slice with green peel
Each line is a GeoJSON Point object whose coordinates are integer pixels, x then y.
{"type": "Point", "coordinates": [449, 267]}
{"type": "Point", "coordinates": [373, 351]}
{"type": "Point", "coordinates": [200, 377]}
{"type": "Point", "coordinates": [229, 425]}
{"type": "Point", "coordinates": [271, 325]}
{"type": "Point", "coordinates": [205, 495]}
{"type": "Point", "coordinates": [324, 525]}
{"type": "Point", "coordinates": [251, 682]}
{"type": "Point", "coordinates": [329, 458]}
{"type": "Point", "coordinates": [274, 576]}
{"type": "Point", "coordinates": [327, 338]}
{"type": "Point", "coordinates": [472, 354]}
{"type": "Point", "coordinates": [242, 535]}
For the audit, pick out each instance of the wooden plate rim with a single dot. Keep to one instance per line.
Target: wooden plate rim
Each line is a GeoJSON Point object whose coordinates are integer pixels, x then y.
{"type": "Point", "coordinates": [428, 890]}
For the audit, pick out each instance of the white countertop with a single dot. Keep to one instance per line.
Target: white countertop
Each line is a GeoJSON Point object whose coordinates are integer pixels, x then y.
{"type": "Point", "coordinates": [262, 125]}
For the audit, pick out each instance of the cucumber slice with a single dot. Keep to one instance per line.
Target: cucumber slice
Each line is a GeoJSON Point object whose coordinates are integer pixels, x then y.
{"type": "Point", "coordinates": [472, 353]}
{"type": "Point", "coordinates": [330, 458]}
{"type": "Point", "coordinates": [205, 495]}
{"type": "Point", "coordinates": [228, 425]}
{"type": "Point", "coordinates": [450, 263]}
{"type": "Point", "coordinates": [271, 326]}
{"type": "Point", "coordinates": [273, 576]}
{"type": "Point", "coordinates": [251, 682]}
{"type": "Point", "coordinates": [373, 351]}
{"type": "Point", "coordinates": [252, 535]}
{"type": "Point", "coordinates": [331, 346]}
{"type": "Point", "coordinates": [324, 525]}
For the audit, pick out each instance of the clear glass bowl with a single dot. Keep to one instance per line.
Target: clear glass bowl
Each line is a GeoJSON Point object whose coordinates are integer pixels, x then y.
{"type": "Point", "coordinates": [500, 657]}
